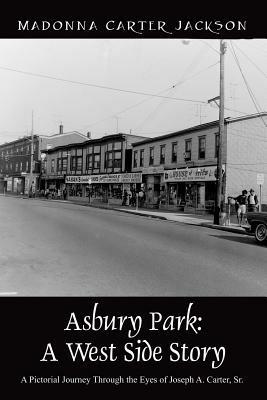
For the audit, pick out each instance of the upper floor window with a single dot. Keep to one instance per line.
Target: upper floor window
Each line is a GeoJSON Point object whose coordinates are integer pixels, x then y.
{"type": "Point", "coordinates": [174, 152]}
{"type": "Point", "coordinates": [117, 159]}
{"type": "Point", "coordinates": [96, 161]}
{"type": "Point", "coordinates": [162, 154]}
{"type": "Point", "coordinates": [64, 164]}
{"type": "Point", "coordinates": [142, 157]}
{"type": "Point", "coordinates": [202, 147]}
{"type": "Point", "coordinates": [188, 146]}
{"type": "Point", "coordinates": [151, 155]}
{"type": "Point", "coordinates": [89, 161]}
{"type": "Point", "coordinates": [135, 158]}
{"type": "Point", "coordinates": [53, 165]}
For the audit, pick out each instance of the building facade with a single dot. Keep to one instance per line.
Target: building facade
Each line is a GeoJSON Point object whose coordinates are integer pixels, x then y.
{"type": "Point", "coordinates": [96, 170]}
{"type": "Point", "coordinates": [15, 160]}
{"type": "Point", "coordinates": [179, 169]}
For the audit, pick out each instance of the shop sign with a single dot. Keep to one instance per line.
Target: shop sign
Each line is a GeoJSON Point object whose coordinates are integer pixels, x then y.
{"type": "Point", "coordinates": [153, 170]}
{"type": "Point", "coordinates": [260, 179]}
{"type": "Point", "coordinates": [78, 179]}
{"type": "Point", "coordinates": [135, 177]}
{"type": "Point", "coordinates": [191, 174]}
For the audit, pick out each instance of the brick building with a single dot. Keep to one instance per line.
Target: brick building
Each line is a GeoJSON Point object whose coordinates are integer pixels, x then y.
{"type": "Point", "coordinates": [179, 169]}
{"type": "Point", "coordinates": [101, 166]}
{"type": "Point", "coordinates": [15, 159]}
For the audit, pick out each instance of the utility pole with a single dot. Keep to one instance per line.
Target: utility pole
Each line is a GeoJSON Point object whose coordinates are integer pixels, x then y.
{"type": "Point", "coordinates": [217, 210]}
{"type": "Point", "coordinates": [31, 163]}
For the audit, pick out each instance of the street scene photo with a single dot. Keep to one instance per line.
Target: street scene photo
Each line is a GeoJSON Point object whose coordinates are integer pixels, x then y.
{"type": "Point", "coordinates": [133, 167]}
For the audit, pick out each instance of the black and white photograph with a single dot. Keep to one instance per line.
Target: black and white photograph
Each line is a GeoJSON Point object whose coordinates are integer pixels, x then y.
{"type": "Point", "coordinates": [133, 170]}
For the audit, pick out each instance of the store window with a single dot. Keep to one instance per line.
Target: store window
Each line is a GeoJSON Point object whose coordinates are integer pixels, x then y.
{"type": "Point", "coordinates": [202, 147]}
{"type": "Point", "coordinates": [142, 157]}
{"type": "Point", "coordinates": [188, 146]}
{"type": "Point", "coordinates": [162, 154]}
{"type": "Point", "coordinates": [174, 152]}
{"type": "Point", "coordinates": [135, 159]}
{"type": "Point", "coordinates": [151, 155]}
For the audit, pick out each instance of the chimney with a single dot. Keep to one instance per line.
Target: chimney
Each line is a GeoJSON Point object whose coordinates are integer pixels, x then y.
{"type": "Point", "coordinates": [88, 135]}
{"type": "Point", "coordinates": [60, 129]}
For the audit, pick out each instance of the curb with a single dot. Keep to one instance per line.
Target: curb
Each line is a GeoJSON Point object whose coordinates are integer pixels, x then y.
{"type": "Point", "coordinates": [226, 229]}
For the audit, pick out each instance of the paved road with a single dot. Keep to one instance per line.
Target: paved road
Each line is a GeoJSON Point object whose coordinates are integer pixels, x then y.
{"type": "Point", "coordinates": [49, 248]}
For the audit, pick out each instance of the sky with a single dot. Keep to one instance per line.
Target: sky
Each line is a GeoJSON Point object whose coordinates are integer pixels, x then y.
{"type": "Point", "coordinates": [185, 72]}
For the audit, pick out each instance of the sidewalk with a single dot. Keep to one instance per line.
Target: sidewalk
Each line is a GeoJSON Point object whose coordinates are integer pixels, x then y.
{"type": "Point", "coordinates": [174, 216]}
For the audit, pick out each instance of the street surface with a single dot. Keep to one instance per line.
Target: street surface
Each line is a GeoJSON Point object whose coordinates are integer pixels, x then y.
{"type": "Point", "coordinates": [50, 248]}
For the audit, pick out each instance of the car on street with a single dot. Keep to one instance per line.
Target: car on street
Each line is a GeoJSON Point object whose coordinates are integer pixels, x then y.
{"type": "Point", "coordinates": [258, 226]}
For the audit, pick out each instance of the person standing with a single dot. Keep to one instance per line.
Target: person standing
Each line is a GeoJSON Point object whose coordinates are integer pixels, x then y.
{"type": "Point", "coordinates": [252, 201]}
{"type": "Point", "coordinates": [241, 202]}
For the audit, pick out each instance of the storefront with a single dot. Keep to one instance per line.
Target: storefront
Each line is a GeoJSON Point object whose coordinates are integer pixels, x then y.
{"type": "Point", "coordinates": [107, 188]}
{"type": "Point", "coordinates": [191, 189]}
{"type": "Point", "coordinates": [152, 184]}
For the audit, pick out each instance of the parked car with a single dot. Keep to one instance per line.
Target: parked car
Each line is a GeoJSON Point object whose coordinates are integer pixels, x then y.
{"type": "Point", "coordinates": [258, 225]}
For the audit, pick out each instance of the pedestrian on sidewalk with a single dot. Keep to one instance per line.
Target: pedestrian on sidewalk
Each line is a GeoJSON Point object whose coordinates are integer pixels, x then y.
{"type": "Point", "coordinates": [241, 205]}
{"type": "Point", "coordinates": [252, 201]}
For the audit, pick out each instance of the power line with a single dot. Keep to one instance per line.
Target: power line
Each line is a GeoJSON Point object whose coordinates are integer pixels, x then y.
{"type": "Point", "coordinates": [211, 47]}
{"type": "Point", "coordinates": [158, 93]}
{"type": "Point", "coordinates": [252, 96]}
{"type": "Point", "coordinates": [99, 86]}
{"type": "Point", "coordinates": [258, 68]}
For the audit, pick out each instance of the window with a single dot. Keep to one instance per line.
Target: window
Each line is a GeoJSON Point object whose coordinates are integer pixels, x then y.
{"type": "Point", "coordinates": [113, 156]}
{"type": "Point", "coordinates": [27, 166]}
{"type": "Point", "coordinates": [109, 159]}
{"type": "Point", "coordinates": [142, 158]}
{"type": "Point", "coordinates": [174, 152]}
{"type": "Point", "coordinates": [21, 165]}
{"type": "Point", "coordinates": [52, 165]}
{"type": "Point", "coordinates": [188, 145]}
{"type": "Point", "coordinates": [117, 159]}
{"type": "Point", "coordinates": [135, 159]}
{"type": "Point", "coordinates": [96, 149]}
{"type": "Point", "coordinates": [79, 163]}
{"type": "Point", "coordinates": [201, 147]}
{"type": "Point", "coordinates": [216, 144]}
{"type": "Point", "coordinates": [73, 163]}
{"type": "Point", "coordinates": [117, 145]}
{"type": "Point", "coordinates": [162, 154]}
{"type": "Point", "coordinates": [17, 167]}
{"type": "Point", "coordinates": [151, 155]}
{"type": "Point", "coordinates": [89, 161]}
{"type": "Point", "coordinates": [96, 161]}
{"type": "Point", "coordinates": [64, 164]}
